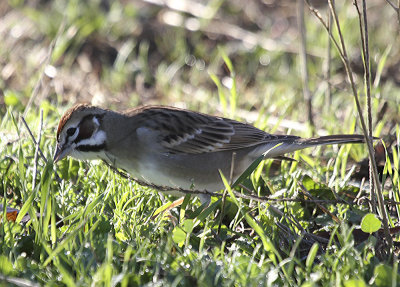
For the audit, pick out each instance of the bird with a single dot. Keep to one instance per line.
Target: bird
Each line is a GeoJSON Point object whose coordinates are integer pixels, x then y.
{"type": "Point", "coordinates": [174, 149]}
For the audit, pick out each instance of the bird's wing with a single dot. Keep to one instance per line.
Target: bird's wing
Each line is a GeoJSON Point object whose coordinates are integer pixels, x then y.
{"type": "Point", "coordinates": [182, 131]}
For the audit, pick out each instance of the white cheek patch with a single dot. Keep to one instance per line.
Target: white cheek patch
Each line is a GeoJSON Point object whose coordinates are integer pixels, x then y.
{"type": "Point", "coordinates": [97, 139]}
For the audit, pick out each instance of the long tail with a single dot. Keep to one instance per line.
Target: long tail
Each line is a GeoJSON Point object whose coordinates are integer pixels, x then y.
{"type": "Point", "coordinates": [333, 139]}
{"type": "Point", "coordinates": [282, 146]}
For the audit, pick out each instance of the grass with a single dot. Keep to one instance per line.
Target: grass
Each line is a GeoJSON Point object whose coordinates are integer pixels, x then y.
{"type": "Point", "coordinates": [89, 225]}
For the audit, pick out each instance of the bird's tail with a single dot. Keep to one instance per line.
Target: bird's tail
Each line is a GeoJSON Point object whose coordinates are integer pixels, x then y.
{"type": "Point", "coordinates": [282, 146]}
{"type": "Point", "coordinates": [333, 139]}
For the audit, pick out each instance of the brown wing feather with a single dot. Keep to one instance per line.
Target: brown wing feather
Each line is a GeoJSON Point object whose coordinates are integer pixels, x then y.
{"type": "Point", "coordinates": [183, 131]}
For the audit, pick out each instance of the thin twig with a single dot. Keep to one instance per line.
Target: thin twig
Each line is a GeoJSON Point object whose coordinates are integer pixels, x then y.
{"type": "Point", "coordinates": [303, 62]}
{"type": "Point", "coordinates": [367, 71]}
{"type": "Point", "coordinates": [33, 138]}
{"type": "Point", "coordinates": [393, 6]}
{"type": "Point", "coordinates": [324, 209]}
{"type": "Point", "coordinates": [35, 162]}
{"type": "Point", "coordinates": [367, 83]}
{"type": "Point", "coordinates": [326, 26]}
{"type": "Point", "coordinates": [368, 140]}
{"type": "Point", "coordinates": [38, 148]}
{"type": "Point", "coordinates": [397, 9]}
{"type": "Point", "coordinates": [343, 55]}
{"type": "Point", "coordinates": [328, 63]}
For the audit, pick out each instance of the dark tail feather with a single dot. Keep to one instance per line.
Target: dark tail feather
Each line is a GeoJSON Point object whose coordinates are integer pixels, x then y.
{"type": "Point", "coordinates": [279, 147]}
{"type": "Point", "coordinates": [333, 139]}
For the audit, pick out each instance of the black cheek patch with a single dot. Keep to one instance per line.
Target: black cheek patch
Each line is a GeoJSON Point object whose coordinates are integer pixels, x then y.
{"type": "Point", "coordinates": [91, 148]}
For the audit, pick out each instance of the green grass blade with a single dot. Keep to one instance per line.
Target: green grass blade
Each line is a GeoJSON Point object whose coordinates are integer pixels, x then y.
{"type": "Point", "coordinates": [27, 205]}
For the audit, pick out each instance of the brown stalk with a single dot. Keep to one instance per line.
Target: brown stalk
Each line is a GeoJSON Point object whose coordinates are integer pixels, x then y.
{"type": "Point", "coordinates": [367, 83]}
{"type": "Point", "coordinates": [365, 131]}
{"type": "Point", "coordinates": [343, 55]}
{"type": "Point", "coordinates": [328, 63]}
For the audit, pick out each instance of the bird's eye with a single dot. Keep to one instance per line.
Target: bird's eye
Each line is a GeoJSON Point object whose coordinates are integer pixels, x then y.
{"type": "Point", "coordinates": [71, 131]}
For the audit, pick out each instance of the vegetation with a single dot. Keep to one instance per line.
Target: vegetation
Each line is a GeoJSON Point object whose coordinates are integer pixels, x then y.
{"type": "Point", "coordinates": [309, 222]}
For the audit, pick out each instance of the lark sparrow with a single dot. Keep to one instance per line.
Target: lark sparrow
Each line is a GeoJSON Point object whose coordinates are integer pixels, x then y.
{"type": "Point", "coordinates": [172, 148]}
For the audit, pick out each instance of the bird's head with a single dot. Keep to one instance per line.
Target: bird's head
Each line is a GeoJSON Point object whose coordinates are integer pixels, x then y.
{"type": "Point", "coordinates": [80, 133]}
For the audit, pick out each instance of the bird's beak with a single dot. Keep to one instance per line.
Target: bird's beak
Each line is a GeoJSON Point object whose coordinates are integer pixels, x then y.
{"type": "Point", "coordinates": [60, 153]}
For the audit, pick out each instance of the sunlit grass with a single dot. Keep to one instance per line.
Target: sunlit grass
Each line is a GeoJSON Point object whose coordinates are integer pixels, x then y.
{"type": "Point", "coordinates": [91, 226]}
